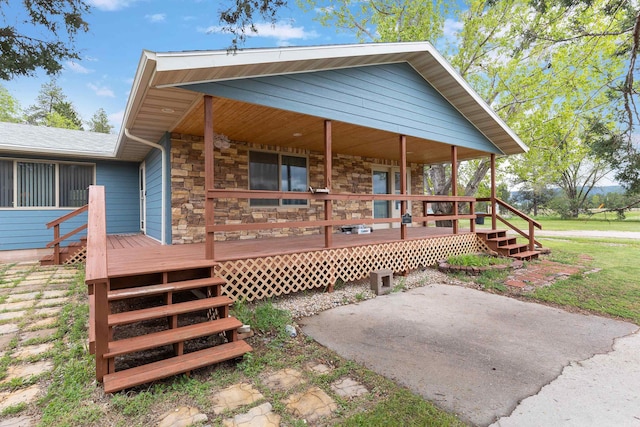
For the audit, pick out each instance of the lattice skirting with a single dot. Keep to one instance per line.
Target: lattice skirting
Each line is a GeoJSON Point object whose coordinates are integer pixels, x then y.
{"type": "Point", "coordinates": [259, 278]}
{"type": "Point", "coordinates": [80, 257]}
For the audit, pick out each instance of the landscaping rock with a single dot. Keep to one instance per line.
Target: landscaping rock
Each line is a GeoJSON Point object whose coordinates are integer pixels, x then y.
{"type": "Point", "coordinates": [27, 395]}
{"type": "Point", "coordinates": [234, 397]}
{"type": "Point", "coordinates": [17, 422]}
{"type": "Point", "coordinates": [311, 405]}
{"type": "Point", "coordinates": [260, 416]}
{"type": "Point", "coordinates": [284, 379]}
{"type": "Point", "coordinates": [348, 388]}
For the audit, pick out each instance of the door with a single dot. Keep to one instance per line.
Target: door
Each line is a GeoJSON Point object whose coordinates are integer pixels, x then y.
{"type": "Point", "coordinates": [143, 198]}
{"type": "Point", "coordinates": [386, 180]}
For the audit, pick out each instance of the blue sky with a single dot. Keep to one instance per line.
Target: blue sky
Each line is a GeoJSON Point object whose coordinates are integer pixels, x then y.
{"type": "Point", "coordinates": [120, 29]}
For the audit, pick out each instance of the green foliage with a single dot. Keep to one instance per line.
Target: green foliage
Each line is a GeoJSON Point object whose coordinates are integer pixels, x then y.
{"type": "Point", "coordinates": [42, 36]}
{"type": "Point", "coordinates": [99, 122]}
{"type": "Point", "coordinates": [263, 317]}
{"type": "Point", "coordinates": [52, 109]}
{"type": "Point", "coordinates": [9, 107]}
{"type": "Point", "coordinates": [473, 260]}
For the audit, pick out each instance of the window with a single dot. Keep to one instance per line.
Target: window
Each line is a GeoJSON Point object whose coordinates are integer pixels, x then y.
{"type": "Point", "coordinates": [32, 184]}
{"type": "Point", "coordinates": [275, 172]}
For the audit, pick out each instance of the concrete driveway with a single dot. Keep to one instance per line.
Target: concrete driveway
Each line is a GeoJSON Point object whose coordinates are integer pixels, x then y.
{"type": "Point", "coordinates": [470, 352]}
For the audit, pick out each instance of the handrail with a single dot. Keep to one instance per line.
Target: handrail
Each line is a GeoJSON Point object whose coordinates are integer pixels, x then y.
{"type": "Point", "coordinates": [425, 218]}
{"type": "Point", "coordinates": [532, 222]}
{"type": "Point", "coordinates": [67, 216]}
{"type": "Point", "coordinates": [56, 231]}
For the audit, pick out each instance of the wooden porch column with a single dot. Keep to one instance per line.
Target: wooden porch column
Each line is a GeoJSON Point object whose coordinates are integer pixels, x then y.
{"type": "Point", "coordinates": [208, 175]}
{"type": "Point", "coordinates": [328, 204]}
{"type": "Point", "coordinates": [493, 193]}
{"type": "Point", "coordinates": [454, 184]}
{"type": "Point", "coordinates": [403, 183]}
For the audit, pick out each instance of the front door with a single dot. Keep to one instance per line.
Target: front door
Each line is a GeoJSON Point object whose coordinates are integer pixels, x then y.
{"type": "Point", "coordinates": [143, 198]}
{"type": "Point", "coordinates": [387, 181]}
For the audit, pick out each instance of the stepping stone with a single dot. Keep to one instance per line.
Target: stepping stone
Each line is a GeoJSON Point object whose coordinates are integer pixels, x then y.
{"type": "Point", "coordinates": [20, 305]}
{"type": "Point", "coordinates": [37, 335]}
{"type": "Point", "coordinates": [23, 297]}
{"type": "Point", "coordinates": [8, 328]}
{"type": "Point", "coordinates": [311, 404]}
{"type": "Point", "coordinates": [234, 397]}
{"type": "Point", "coordinates": [27, 371]}
{"type": "Point", "coordinates": [26, 395]}
{"type": "Point", "coordinates": [5, 340]}
{"type": "Point", "coordinates": [32, 282]}
{"type": "Point", "coordinates": [320, 368]}
{"type": "Point", "coordinates": [32, 350]}
{"type": "Point", "coordinates": [43, 323]}
{"type": "Point", "coordinates": [284, 380]}
{"type": "Point", "coordinates": [348, 388]}
{"type": "Point", "coordinates": [47, 312]}
{"type": "Point", "coordinates": [182, 417]}
{"type": "Point", "coordinates": [54, 294]}
{"type": "Point", "coordinates": [17, 422]}
{"type": "Point", "coordinates": [52, 301]}
{"type": "Point", "coordinates": [12, 315]}
{"type": "Point", "coordinates": [260, 416]}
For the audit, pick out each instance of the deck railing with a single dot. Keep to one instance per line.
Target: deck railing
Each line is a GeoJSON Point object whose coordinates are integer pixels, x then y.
{"type": "Point", "coordinates": [425, 218]}
{"type": "Point", "coordinates": [57, 239]}
{"type": "Point", "coordinates": [96, 277]}
{"type": "Point", "coordinates": [533, 224]}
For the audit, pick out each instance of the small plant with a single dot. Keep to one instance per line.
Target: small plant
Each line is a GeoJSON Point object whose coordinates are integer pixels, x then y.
{"type": "Point", "coordinates": [471, 260]}
{"type": "Point", "coordinates": [401, 286]}
{"type": "Point", "coordinates": [360, 296]}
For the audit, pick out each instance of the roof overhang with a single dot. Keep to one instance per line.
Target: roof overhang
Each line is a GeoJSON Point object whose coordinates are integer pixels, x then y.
{"type": "Point", "coordinates": [156, 105]}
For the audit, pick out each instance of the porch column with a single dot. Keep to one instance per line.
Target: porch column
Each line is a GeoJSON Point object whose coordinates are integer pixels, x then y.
{"type": "Point", "coordinates": [403, 183]}
{"type": "Point", "coordinates": [208, 175]}
{"type": "Point", "coordinates": [328, 204]}
{"type": "Point", "coordinates": [493, 192]}
{"type": "Point", "coordinates": [454, 185]}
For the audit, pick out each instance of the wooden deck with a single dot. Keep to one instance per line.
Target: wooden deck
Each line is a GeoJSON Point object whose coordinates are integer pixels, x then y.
{"type": "Point", "coordinates": [126, 256]}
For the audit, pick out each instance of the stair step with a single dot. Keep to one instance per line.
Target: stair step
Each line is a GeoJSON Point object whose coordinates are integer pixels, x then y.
{"type": "Point", "coordinates": [176, 365]}
{"type": "Point", "coordinates": [501, 239]}
{"type": "Point", "coordinates": [527, 255]}
{"type": "Point", "coordinates": [515, 247]}
{"type": "Point", "coordinates": [487, 232]}
{"type": "Point", "coordinates": [76, 244]}
{"type": "Point", "coordinates": [168, 310]}
{"type": "Point", "coordinates": [171, 336]}
{"type": "Point", "coordinates": [143, 291]}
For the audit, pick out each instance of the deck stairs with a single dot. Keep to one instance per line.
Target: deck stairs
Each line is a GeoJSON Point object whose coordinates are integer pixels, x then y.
{"type": "Point", "coordinates": [164, 320]}
{"type": "Point", "coordinates": [73, 253]}
{"type": "Point", "coordinates": [504, 245]}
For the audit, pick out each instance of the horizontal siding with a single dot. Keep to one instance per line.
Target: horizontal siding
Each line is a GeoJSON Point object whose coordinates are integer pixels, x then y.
{"type": "Point", "coordinates": [391, 97]}
{"type": "Point", "coordinates": [26, 228]}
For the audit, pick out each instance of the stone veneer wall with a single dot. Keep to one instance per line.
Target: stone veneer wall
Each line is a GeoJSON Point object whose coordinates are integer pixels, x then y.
{"type": "Point", "coordinates": [350, 175]}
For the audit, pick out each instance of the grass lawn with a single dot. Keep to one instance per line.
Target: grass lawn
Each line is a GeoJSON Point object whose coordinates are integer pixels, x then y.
{"type": "Point", "coordinates": [612, 290]}
{"type": "Point", "coordinates": [600, 222]}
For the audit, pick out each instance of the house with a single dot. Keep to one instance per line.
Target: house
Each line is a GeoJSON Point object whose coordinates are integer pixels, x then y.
{"type": "Point", "coordinates": [243, 170]}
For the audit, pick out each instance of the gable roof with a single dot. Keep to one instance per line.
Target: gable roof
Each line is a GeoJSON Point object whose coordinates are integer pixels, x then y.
{"type": "Point", "coordinates": [157, 104]}
{"type": "Point", "coordinates": [18, 138]}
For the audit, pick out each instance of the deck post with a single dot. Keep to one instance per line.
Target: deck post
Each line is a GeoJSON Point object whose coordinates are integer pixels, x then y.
{"type": "Point", "coordinates": [493, 193]}
{"type": "Point", "coordinates": [328, 204]}
{"type": "Point", "coordinates": [403, 184]}
{"type": "Point", "coordinates": [56, 247]}
{"type": "Point", "coordinates": [208, 175]}
{"type": "Point", "coordinates": [454, 185]}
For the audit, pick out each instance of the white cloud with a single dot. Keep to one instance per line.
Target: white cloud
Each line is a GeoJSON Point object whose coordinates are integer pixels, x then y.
{"type": "Point", "coordinates": [156, 17]}
{"type": "Point", "coordinates": [282, 31]}
{"type": "Point", "coordinates": [116, 118]}
{"type": "Point", "coordinates": [451, 28]}
{"type": "Point", "coordinates": [76, 68]}
{"type": "Point", "coordinates": [101, 90]}
{"type": "Point", "coordinates": [111, 5]}
{"type": "Point", "coordinates": [324, 10]}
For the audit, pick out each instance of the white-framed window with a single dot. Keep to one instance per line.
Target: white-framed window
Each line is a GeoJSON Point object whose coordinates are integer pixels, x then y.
{"type": "Point", "coordinates": [277, 172]}
{"type": "Point", "coordinates": [44, 184]}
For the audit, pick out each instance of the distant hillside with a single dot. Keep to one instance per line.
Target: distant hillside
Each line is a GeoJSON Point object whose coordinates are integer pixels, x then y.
{"type": "Point", "coordinates": [607, 189]}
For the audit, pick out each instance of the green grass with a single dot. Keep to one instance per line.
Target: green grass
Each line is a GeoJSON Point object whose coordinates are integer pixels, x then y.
{"type": "Point", "coordinates": [598, 222]}
{"type": "Point", "coordinates": [472, 260]}
{"type": "Point", "coordinates": [613, 290]}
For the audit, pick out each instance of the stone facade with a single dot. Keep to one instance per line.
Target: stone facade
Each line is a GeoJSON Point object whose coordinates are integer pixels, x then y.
{"type": "Point", "coordinates": [231, 171]}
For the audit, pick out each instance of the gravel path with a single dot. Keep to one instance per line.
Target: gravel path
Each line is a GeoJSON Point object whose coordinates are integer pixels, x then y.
{"type": "Point", "coordinates": [309, 303]}
{"type": "Point", "coordinates": [589, 233]}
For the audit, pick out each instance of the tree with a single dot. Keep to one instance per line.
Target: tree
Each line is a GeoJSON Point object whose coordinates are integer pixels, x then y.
{"type": "Point", "coordinates": [240, 17]}
{"type": "Point", "coordinates": [52, 109]}
{"type": "Point", "coordinates": [99, 122]}
{"type": "Point", "coordinates": [43, 39]}
{"type": "Point", "coordinates": [9, 107]}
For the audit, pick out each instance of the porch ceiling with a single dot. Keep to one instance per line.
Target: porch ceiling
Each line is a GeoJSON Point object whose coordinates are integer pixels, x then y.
{"type": "Point", "coordinates": [263, 125]}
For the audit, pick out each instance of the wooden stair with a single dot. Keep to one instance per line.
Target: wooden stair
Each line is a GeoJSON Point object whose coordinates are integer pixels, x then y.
{"type": "Point", "coordinates": [67, 253]}
{"type": "Point", "coordinates": [182, 297]}
{"type": "Point", "coordinates": [498, 241]}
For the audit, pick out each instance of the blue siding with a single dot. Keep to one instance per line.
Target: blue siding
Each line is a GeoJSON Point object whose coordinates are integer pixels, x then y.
{"type": "Point", "coordinates": [26, 229]}
{"type": "Point", "coordinates": [391, 97]}
{"type": "Point", "coordinates": [153, 170]}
